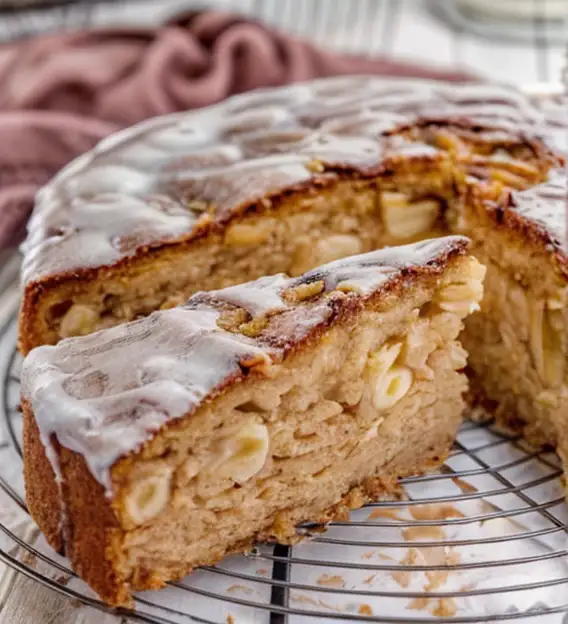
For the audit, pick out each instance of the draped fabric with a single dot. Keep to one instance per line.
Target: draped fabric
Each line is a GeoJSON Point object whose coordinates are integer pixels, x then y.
{"type": "Point", "coordinates": [60, 94]}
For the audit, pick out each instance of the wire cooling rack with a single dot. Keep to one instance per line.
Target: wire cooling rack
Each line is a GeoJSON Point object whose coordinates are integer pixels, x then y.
{"type": "Point", "coordinates": [482, 540]}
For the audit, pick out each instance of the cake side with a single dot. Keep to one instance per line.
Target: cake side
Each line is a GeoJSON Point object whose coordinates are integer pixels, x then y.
{"type": "Point", "coordinates": [183, 467]}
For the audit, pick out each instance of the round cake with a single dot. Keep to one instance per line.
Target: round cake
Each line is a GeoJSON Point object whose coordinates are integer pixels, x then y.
{"type": "Point", "coordinates": [283, 181]}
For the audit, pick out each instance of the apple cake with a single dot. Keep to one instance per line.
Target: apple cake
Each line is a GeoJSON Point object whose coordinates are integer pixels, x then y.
{"type": "Point", "coordinates": [282, 181]}
{"type": "Point", "coordinates": [167, 442]}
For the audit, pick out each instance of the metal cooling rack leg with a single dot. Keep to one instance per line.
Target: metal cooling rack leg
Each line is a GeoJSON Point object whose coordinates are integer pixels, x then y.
{"type": "Point", "coordinates": [280, 595]}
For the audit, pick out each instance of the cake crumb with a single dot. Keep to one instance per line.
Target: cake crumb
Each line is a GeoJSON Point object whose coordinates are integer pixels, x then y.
{"type": "Point", "coordinates": [402, 578]}
{"type": "Point", "coordinates": [417, 533]}
{"type": "Point", "coordinates": [384, 557]}
{"type": "Point", "coordinates": [464, 486]}
{"type": "Point", "coordinates": [242, 588]}
{"type": "Point", "coordinates": [30, 559]}
{"type": "Point", "coordinates": [435, 512]}
{"type": "Point", "coordinates": [230, 619]}
{"type": "Point", "coordinates": [262, 571]}
{"type": "Point", "coordinates": [390, 513]}
{"type": "Point", "coordinates": [365, 609]}
{"type": "Point", "coordinates": [419, 604]}
{"type": "Point", "coordinates": [412, 557]}
{"type": "Point", "coordinates": [439, 556]}
{"type": "Point", "coordinates": [327, 580]}
{"type": "Point", "coordinates": [445, 607]}
{"type": "Point", "coordinates": [369, 580]}
{"type": "Point", "coordinates": [368, 554]}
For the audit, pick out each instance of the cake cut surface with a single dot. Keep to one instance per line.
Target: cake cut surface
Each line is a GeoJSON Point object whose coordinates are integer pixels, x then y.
{"type": "Point", "coordinates": [163, 444]}
{"type": "Point", "coordinates": [518, 343]}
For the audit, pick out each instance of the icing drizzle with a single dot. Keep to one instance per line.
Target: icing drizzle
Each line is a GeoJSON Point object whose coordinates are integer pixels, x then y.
{"type": "Point", "coordinates": [138, 186]}
{"type": "Point", "coordinates": [547, 206]}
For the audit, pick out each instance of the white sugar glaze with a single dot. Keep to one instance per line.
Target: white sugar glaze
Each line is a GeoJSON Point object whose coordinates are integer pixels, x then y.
{"type": "Point", "coordinates": [547, 205]}
{"type": "Point", "coordinates": [134, 188]}
{"type": "Point", "coordinates": [106, 394]}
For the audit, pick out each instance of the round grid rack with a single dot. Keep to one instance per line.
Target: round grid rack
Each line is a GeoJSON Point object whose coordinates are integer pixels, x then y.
{"type": "Point", "coordinates": [482, 540]}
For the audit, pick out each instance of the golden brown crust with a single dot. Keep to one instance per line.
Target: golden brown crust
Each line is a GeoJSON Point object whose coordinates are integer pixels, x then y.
{"type": "Point", "coordinates": [505, 217]}
{"type": "Point", "coordinates": [92, 540]}
{"type": "Point", "coordinates": [42, 492]}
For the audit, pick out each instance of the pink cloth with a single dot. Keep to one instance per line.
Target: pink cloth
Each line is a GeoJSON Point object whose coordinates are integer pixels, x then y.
{"type": "Point", "coordinates": [60, 94]}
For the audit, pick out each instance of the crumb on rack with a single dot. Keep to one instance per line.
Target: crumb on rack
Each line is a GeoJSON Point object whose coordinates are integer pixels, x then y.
{"type": "Point", "coordinates": [327, 580]}
{"type": "Point", "coordinates": [239, 588]}
{"type": "Point", "coordinates": [435, 511]}
{"type": "Point", "coordinates": [464, 486]}
{"type": "Point", "coordinates": [389, 513]}
{"type": "Point", "coordinates": [419, 604]}
{"type": "Point", "coordinates": [445, 607]}
{"type": "Point", "coordinates": [417, 533]}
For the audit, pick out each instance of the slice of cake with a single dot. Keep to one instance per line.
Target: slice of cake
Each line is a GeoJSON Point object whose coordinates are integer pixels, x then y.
{"type": "Point", "coordinates": [159, 445]}
{"type": "Point", "coordinates": [280, 180]}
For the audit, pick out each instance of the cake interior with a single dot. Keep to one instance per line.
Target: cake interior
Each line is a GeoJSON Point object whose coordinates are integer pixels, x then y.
{"type": "Point", "coordinates": [376, 397]}
{"type": "Point", "coordinates": [291, 233]}
{"type": "Point", "coordinates": [295, 234]}
{"type": "Point", "coordinates": [517, 343]}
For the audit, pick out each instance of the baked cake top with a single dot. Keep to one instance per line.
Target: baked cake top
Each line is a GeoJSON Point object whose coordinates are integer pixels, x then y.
{"type": "Point", "coordinates": [168, 178]}
{"type": "Point", "coordinates": [546, 205]}
{"type": "Point", "coordinates": [105, 394]}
